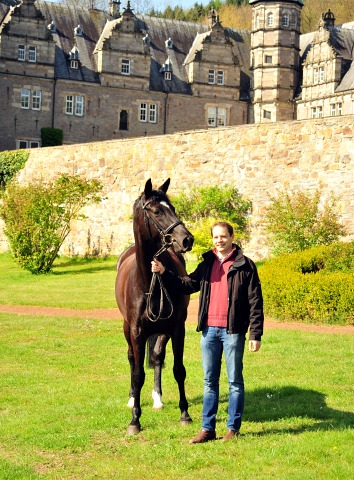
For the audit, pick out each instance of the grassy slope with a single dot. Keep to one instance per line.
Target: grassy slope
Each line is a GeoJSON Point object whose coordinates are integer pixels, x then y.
{"type": "Point", "coordinates": [65, 383]}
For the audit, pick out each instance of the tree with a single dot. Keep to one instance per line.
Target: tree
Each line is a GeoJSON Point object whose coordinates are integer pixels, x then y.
{"type": "Point", "coordinates": [300, 220]}
{"type": "Point", "coordinates": [37, 217]}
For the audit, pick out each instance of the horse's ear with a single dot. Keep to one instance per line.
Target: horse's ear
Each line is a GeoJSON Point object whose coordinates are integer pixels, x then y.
{"type": "Point", "coordinates": [148, 189]}
{"type": "Point", "coordinates": [164, 187]}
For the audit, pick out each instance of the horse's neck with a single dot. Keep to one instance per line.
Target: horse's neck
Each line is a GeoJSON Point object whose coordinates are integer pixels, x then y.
{"type": "Point", "coordinates": [144, 252]}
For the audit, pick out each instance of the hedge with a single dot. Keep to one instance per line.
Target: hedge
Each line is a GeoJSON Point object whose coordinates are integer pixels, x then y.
{"type": "Point", "coordinates": [51, 137]}
{"type": "Point", "coordinates": [10, 163]}
{"type": "Point", "coordinates": [312, 286]}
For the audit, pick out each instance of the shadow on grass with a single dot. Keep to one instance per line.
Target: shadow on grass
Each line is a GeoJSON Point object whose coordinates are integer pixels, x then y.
{"type": "Point", "coordinates": [282, 404]}
{"type": "Point", "coordinates": [81, 270]}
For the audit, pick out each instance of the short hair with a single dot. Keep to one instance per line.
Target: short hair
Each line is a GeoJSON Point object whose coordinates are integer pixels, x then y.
{"type": "Point", "coordinates": [223, 224]}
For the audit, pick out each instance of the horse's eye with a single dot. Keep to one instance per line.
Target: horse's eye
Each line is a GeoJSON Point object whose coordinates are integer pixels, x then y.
{"type": "Point", "coordinates": [157, 213]}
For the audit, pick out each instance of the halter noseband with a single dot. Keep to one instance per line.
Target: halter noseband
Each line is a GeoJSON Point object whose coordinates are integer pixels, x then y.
{"type": "Point", "coordinates": [164, 233]}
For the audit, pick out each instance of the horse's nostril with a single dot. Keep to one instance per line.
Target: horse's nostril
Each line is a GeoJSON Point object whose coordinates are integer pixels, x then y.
{"type": "Point", "coordinates": [188, 241]}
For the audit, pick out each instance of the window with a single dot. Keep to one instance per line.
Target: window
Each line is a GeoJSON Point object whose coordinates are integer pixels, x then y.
{"type": "Point", "coordinates": [339, 109]}
{"type": "Point", "coordinates": [315, 75]}
{"type": "Point", "coordinates": [333, 109]}
{"type": "Point", "coordinates": [22, 53]}
{"type": "Point", "coordinates": [220, 77]}
{"type": "Point", "coordinates": [152, 113]}
{"type": "Point", "coordinates": [22, 144]}
{"type": "Point", "coordinates": [32, 54]}
{"type": "Point", "coordinates": [69, 106]}
{"type": "Point", "coordinates": [285, 20]}
{"type": "Point", "coordinates": [268, 59]}
{"type": "Point", "coordinates": [143, 112]}
{"type": "Point", "coordinates": [257, 21]}
{"type": "Point", "coordinates": [34, 144]}
{"type": "Point", "coordinates": [319, 112]}
{"type": "Point", "coordinates": [74, 64]}
{"type": "Point", "coordinates": [25, 98]}
{"type": "Point", "coordinates": [123, 120]}
{"type": "Point", "coordinates": [216, 117]}
{"type": "Point", "coordinates": [314, 112]}
{"type": "Point", "coordinates": [79, 106]}
{"type": "Point", "coordinates": [211, 76]}
{"type": "Point", "coordinates": [270, 19]}
{"type": "Point", "coordinates": [36, 100]}
{"type": "Point", "coordinates": [321, 74]}
{"type": "Point", "coordinates": [125, 70]}
{"type": "Point", "coordinates": [267, 114]}
{"type": "Point", "coordinates": [168, 76]}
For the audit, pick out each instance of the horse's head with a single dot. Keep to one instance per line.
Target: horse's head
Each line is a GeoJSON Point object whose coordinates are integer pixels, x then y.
{"type": "Point", "coordinates": [158, 219]}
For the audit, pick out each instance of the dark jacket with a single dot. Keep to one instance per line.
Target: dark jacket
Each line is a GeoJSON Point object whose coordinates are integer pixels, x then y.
{"type": "Point", "coordinates": [245, 302]}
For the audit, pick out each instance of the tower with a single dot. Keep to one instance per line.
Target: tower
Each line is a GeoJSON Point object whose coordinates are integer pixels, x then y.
{"type": "Point", "coordinates": [275, 59]}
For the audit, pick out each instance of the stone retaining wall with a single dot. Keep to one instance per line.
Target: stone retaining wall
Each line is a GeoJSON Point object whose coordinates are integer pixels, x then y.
{"type": "Point", "coordinates": [258, 159]}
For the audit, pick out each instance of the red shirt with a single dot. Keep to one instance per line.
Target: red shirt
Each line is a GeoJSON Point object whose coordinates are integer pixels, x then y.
{"type": "Point", "coordinates": [218, 305]}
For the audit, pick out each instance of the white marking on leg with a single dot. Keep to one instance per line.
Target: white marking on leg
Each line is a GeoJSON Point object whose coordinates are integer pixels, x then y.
{"type": "Point", "coordinates": [157, 401]}
{"type": "Point", "coordinates": [131, 402]}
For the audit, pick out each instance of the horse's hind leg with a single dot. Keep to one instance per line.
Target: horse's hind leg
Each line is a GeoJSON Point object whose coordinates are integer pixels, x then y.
{"type": "Point", "coordinates": [131, 362]}
{"type": "Point", "coordinates": [158, 359]}
{"type": "Point", "coordinates": [180, 373]}
{"type": "Point", "coordinates": [138, 342]}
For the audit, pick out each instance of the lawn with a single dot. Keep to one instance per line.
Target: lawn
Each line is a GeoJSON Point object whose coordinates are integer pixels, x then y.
{"type": "Point", "coordinates": [74, 283]}
{"type": "Point", "coordinates": [64, 387]}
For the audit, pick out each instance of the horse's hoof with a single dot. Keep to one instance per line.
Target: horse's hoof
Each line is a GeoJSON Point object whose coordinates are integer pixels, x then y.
{"type": "Point", "coordinates": [184, 423]}
{"type": "Point", "coordinates": [133, 430]}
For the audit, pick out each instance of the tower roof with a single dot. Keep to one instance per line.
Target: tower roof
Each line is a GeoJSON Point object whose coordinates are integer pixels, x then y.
{"type": "Point", "coordinates": [299, 2]}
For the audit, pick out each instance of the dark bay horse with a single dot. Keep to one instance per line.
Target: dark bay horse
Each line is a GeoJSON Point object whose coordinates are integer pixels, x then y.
{"type": "Point", "coordinates": [155, 222]}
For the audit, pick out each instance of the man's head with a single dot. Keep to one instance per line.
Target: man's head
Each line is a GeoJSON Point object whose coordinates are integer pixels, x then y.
{"type": "Point", "coordinates": [223, 235]}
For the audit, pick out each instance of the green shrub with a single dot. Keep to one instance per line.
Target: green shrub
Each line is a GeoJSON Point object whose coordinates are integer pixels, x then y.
{"type": "Point", "coordinates": [51, 137]}
{"type": "Point", "coordinates": [37, 217]}
{"type": "Point", "coordinates": [301, 220]}
{"type": "Point", "coordinates": [10, 163]}
{"type": "Point", "coordinates": [204, 206]}
{"type": "Point", "coordinates": [315, 285]}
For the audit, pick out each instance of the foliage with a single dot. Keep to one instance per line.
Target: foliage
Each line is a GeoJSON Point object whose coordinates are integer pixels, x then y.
{"type": "Point", "coordinates": [315, 285]}
{"type": "Point", "coordinates": [300, 220]}
{"type": "Point", "coordinates": [203, 206]}
{"type": "Point", "coordinates": [10, 163]}
{"type": "Point", "coordinates": [51, 137]}
{"type": "Point", "coordinates": [37, 217]}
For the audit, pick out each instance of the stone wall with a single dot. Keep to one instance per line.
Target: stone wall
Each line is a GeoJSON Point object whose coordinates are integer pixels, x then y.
{"type": "Point", "coordinates": [258, 159]}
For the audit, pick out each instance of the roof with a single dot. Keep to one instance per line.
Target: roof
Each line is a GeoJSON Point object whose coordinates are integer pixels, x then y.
{"type": "Point", "coordinates": [299, 2]}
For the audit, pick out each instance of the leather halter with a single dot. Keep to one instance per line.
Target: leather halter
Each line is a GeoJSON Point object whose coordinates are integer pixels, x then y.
{"type": "Point", "coordinates": [163, 233]}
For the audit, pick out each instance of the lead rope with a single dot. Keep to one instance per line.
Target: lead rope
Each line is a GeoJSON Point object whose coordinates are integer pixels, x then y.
{"type": "Point", "coordinates": [150, 314]}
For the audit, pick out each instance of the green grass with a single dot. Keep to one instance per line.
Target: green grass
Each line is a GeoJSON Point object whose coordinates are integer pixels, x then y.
{"type": "Point", "coordinates": [64, 387]}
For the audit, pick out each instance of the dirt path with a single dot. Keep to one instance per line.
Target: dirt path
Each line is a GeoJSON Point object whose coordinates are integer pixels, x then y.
{"type": "Point", "coordinates": [112, 313]}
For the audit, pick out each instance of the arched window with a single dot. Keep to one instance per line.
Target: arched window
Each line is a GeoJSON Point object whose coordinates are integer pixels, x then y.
{"type": "Point", "coordinates": [257, 21]}
{"type": "Point", "coordinates": [123, 120]}
{"type": "Point", "coordinates": [285, 20]}
{"type": "Point", "coordinates": [270, 19]}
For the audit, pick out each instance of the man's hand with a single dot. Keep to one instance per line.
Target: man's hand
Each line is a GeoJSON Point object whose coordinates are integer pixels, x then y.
{"type": "Point", "coordinates": [157, 266]}
{"type": "Point", "coordinates": [254, 345]}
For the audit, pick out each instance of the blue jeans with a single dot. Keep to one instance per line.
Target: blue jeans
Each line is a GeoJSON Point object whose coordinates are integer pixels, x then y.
{"type": "Point", "coordinates": [214, 340]}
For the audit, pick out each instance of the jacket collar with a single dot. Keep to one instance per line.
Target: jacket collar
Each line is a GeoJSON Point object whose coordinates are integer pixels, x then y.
{"type": "Point", "coordinates": [238, 262]}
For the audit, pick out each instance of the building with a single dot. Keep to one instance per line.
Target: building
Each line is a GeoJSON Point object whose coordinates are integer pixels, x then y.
{"type": "Point", "coordinates": [106, 75]}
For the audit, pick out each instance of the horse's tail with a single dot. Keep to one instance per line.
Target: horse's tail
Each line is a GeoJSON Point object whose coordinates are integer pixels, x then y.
{"type": "Point", "coordinates": [150, 344]}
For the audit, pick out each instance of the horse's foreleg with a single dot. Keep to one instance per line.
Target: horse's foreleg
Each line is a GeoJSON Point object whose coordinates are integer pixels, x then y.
{"type": "Point", "coordinates": [158, 359]}
{"type": "Point", "coordinates": [138, 382]}
{"type": "Point", "coordinates": [131, 362]}
{"type": "Point", "coordinates": [180, 374]}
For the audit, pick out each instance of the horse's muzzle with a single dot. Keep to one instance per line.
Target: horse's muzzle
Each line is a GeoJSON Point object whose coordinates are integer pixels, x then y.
{"type": "Point", "coordinates": [188, 243]}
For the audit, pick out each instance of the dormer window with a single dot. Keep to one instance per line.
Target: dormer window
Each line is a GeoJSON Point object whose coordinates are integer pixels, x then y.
{"type": "Point", "coordinates": [169, 44]}
{"type": "Point", "coordinates": [52, 27]}
{"type": "Point", "coordinates": [32, 54]}
{"type": "Point", "coordinates": [21, 53]}
{"type": "Point", "coordinates": [270, 19]}
{"type": "Point", "coordinates": [168, 76]}
{"type": "Point", "coordinates": [125, 67]}
{"type": "Point", "coordinates": [78, 31]}
{"type": "Point", "coordinates": [146, 40]}
{"type": "Point", "coordinates": [74, 64]}
{"type": "Point", "coordinates": [285, 20]}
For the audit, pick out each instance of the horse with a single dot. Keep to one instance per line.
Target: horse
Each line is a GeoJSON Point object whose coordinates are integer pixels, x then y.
{"type": "Point", "coordinates": [155, 225]}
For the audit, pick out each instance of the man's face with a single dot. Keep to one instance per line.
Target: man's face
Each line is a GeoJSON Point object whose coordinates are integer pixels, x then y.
{"type": "Point", "coordinates": [222, 240]}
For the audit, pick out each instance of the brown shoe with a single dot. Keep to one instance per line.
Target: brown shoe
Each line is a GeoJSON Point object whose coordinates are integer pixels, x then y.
{"type": "Point", "coordinates": [204, 436]}
{"type": "Point", "coordinates": [230, 435]}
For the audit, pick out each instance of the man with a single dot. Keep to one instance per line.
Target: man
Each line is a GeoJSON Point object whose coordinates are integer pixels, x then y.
{"type": "Point", "coordinates": [230, 301]}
